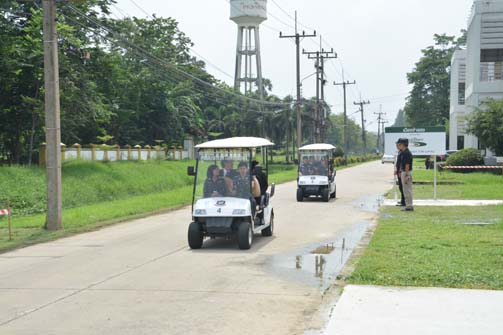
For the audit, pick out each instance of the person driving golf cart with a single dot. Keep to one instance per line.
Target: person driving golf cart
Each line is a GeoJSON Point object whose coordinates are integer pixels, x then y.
{"type": "Point", "coordinates": [306, 166]}
{"type": "Point", "coordinates": [214, 185]}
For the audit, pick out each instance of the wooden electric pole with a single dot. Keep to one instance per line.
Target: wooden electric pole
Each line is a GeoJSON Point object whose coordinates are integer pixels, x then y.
{"type": "Point", "coordinates": [364, 134]}
{"type": "Point", "coordinates": [52, 117]}
{"type": "Point", "coordinates": [344, 85]}
{"type": "Point", "coordinates": [298, 103]}
{"type": "Point", "coordinates": [380, 124]}
{"type": "Point", "coordinates": [320, 114]}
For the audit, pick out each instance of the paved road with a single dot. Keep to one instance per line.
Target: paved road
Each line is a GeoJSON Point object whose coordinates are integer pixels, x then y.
{"type": "Point", "coordinates": [140, 277]}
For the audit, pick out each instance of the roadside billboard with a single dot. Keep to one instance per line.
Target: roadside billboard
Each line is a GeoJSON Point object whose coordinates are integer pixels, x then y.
{"type": "Point", "coordinates": [425, 141]}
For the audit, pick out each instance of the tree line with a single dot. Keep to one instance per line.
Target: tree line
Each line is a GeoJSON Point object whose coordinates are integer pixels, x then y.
{"type": "Point", "coordinates": [127, 81]}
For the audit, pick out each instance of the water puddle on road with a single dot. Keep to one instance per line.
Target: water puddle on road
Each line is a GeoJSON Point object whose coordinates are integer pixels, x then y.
{"type": "Point", "coordinates": [320, 264]}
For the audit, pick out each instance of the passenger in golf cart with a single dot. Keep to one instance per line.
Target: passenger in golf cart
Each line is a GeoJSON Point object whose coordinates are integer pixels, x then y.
{"type": "Point", "coordinates": [241, 183]}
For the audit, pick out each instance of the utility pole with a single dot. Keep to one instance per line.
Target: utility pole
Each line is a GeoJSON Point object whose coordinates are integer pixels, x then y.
{"type": "Point", "coordinates": [344, 85]}
{"type": "Point", "coordinates": [320, 115]}
{"type": "Point", "coordinates": [297, 38]}
{"type": "Point", "coordinates": [362, 104]}
{"type": "Point", "coordinates": [52, 117]}
{"type": "Point", "coordinates": [383, 132]}
{"type": "Point", "coordinates": [380, 124]}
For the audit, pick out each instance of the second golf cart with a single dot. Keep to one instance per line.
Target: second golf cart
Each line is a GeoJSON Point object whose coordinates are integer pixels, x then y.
{"type": "Point", "coordinates": [231, 197]}
{"type": "Point", "coordinates": [317, 175]}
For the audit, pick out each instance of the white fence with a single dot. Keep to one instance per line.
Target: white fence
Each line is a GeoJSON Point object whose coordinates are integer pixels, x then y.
{"type": "Point", "coordinates": [115, 153]}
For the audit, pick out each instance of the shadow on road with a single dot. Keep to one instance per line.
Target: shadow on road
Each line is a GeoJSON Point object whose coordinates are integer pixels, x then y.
{"type": "Point", "coordinates": [221, 245]}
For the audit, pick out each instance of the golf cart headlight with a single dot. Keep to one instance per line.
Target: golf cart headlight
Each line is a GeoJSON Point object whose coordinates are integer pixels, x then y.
{"type": "Point", "coordinates": [239, 212]}
{"type": "Point", "coordinates": [302, 182]}
{"type": "Point", "coordinates": [200, 212]}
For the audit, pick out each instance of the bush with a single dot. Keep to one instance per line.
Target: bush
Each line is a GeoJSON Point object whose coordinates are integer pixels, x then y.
{"type": "Point", "coordinates": [339, 152]}
{"type": "Point", "coordinates": [466, 157]}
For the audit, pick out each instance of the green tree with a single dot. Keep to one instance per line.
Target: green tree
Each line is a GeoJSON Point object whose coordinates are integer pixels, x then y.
{"type": "Point", "coordinates": [428, 103]}
{"type": "Point", "coordinates": [400, 119]}
{"type": "Point", "coordinates": [487, 124]}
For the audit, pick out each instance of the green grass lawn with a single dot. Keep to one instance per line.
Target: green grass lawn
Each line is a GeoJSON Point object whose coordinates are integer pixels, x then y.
{"type": "Point", "coordinates": [471, 186]}
{"type": "Point", "coordinates": [99, 194]}
{"type": "Point", "coordinates": [432, 247]}
{"type": "Point", "coordinates": [86, 183]}
{"type": "Point", "coordinates": [475, 186]}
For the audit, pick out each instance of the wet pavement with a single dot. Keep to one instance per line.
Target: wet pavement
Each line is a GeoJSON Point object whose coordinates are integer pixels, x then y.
{"type": "Point", "coordinates": [319, 264]}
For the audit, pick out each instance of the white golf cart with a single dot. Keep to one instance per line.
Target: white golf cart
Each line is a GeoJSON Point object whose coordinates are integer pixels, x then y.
{"type": "Point", "coordinates": [231, 196]}
{"type": "Point", "coordinates": [317, 175]}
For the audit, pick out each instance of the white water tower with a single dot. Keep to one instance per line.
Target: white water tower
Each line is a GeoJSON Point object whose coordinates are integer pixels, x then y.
{"type": "Point", "coordinates": [248, 15]}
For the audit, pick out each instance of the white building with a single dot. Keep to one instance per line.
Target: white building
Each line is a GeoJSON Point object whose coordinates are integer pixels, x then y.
{"type": "Point", "coordinates": [458, 109]}
{"type": "Point", "coordinates": [484, 60]}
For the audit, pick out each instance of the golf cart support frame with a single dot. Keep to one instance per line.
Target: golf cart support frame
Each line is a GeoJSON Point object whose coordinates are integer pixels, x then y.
{"type": "Point", "coordinates": [323, 186]}
{"type": "Point", "coordinates": [230, 216]}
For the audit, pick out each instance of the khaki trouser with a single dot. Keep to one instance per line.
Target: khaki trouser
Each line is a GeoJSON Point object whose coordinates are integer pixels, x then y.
{"type": "Point", "coordinates": [407, 189]}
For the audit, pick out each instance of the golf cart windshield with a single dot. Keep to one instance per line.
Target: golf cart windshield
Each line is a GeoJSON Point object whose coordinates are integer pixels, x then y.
{"type": "Point", "coordinates": [314, 163]}
{"type": "Point", "coordinates": [223, 173]}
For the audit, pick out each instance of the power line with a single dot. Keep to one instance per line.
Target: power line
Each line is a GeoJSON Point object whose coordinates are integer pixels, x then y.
{"type": "Point", "coordinates": [290, 16]}
{"type": "Point", "coordinates": [155, 66]}
{"type": "Point", "coordinates": [381, 122]}
{"type": "Point", "coordinates": [362, 104]}
{"type": "Point", "coordinates": [320, 113]}
{"type": "Point", "coordinates": [344, 84]}
{"type": "Point", "coordinates": [297, 37]}
{"type": "Point", "coordinates": [167, 64]}
{"type": "Point", "coordinates": [207, 61]}
{"type": "Point", "coordinates": [140, 8]}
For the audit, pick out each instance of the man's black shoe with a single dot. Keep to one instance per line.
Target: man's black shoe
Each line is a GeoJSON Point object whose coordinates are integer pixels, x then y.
{"type": "Point", "coordinates": [407, 209]}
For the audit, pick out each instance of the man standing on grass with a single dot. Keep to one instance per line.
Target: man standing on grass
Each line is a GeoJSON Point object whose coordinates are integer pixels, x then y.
{"type": "Point", "coordinates": [407, 161]}
{"type": "Point", "coordinates": [398, 174]}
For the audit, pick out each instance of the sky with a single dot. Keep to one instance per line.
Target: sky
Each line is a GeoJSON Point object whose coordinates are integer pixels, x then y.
{"type": "Point", "coordinates": [378, 42]}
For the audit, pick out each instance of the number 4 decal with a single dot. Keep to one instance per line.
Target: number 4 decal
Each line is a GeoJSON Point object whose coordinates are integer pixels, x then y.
{"type": "Point", "coordinates": [219, 211]}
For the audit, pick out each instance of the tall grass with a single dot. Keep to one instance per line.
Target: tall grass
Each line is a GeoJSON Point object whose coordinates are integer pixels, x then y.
{"type": "Point", "coordinates": [86, 183]}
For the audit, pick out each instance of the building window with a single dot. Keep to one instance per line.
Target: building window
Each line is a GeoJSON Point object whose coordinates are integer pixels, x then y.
{"type": "Point", "coordinates": [461, 142]}
{"type": "Point", "coordinates": [491, 64]}
{"type": "Point", "coordinates": [491, 55]}
{"type": "Point", "coordinates": [461, 93]}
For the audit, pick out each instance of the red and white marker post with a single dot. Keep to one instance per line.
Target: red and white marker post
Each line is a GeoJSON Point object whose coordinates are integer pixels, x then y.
{"type": "Point", "coordinates": [8, 214]}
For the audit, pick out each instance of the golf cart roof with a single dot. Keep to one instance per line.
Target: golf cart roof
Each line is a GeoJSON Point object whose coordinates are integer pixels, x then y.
{"type": "Point", "coordinates": [236, 143]}
{"type": "Point", "coordinates": [317, 147]}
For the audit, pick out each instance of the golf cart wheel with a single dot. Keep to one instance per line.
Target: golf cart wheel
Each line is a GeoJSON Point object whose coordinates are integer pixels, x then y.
{"type": "Point", "coordinates": [245, 236]}
{"type": "Point", "coordinates": [334, 195]}
{"type": "Point", "coordinates": [269, 230]}
{"type": "Point", "coordinates": [325, 194]}
{"type": "Point", "coordinates": [195, 236]}
{"type": "Point", "coordinates": [300, 195]}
